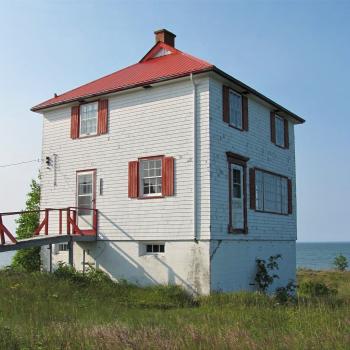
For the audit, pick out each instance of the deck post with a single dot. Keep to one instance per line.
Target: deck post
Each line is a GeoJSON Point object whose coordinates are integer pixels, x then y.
{"type": "Point", "coordinates": [60, 221]}
{"type": "Point", "coordinates": [2, 235]}
{"type": "Point", "coordinates": [70, 246]}
{"type": "Point", "coordinates": [74, 220]}
{"type": "Point", "coordinates": [46, 222]}
{"type": "Point", "coordinates": [68, 223]}
{"type": "Point", "coordinates": [50, 267]}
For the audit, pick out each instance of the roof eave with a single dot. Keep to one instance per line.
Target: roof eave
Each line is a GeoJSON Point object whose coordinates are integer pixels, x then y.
{"type": "Point", "coordinates": [278, 107]}
{"type": "Point", "coordinates": [111, 91]}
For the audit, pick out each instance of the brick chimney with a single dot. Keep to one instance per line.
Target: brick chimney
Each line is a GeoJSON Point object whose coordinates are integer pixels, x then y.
{"type": "Point", "coordinates": [165, 36]}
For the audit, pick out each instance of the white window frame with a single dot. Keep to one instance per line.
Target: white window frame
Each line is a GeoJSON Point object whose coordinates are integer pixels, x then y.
{"type": "Point", "coordinates": [85, 117]}
{"type": "Point", "coordinates": [279, 131]}
{"type": "Point", "coordinates": [142, 163]}
{"type": "Point", "coordinates": [236, 122]}
{"type": "Point", "coordinates": [155, 250]}
{"type": "Point", "coordinates": [237, 200]}
{"type": "Point", "coordinates": [89, 211]}
{"type": "Point", "coordinates": [262, 180]}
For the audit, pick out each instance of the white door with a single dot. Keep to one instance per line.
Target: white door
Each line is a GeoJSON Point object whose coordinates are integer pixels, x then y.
{"type": "Point", "coordinates": [85, 199]}
{"type": "Point", "coordinates": [237, 197]}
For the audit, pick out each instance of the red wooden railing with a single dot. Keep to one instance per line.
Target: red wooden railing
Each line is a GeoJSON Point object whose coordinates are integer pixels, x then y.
{"type": "Point", "coordinates": [71, 225]}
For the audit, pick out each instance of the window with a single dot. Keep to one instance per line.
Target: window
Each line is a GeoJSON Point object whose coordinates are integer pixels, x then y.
{"type": "Point", "coordinates": [279, 122]}
{"type": "Point", "coordinates": [155, 248]}
{"type": "Point", "coordinates": [63, 247]}
{"type": "Point", "coordinates": [279, 130]}
{"type": "Point", "coordinates": [88, 119]}
{"type": "Point", "coordinates": [272, 192]}
{"type": "Point", "coordinates": [85, 193]}
{"type": "Point", "coordinates": [237, 193]}
{"type": "Point", "coordinates": [151, 177]}
{"type": "Point", "coordinates": [235, 110]}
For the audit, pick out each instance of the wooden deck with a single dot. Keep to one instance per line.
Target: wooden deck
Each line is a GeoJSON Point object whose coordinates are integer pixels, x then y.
{"type": "Point", "coordinates": [38, 241]}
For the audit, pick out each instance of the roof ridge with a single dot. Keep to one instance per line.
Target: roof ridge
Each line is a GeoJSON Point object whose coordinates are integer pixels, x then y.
{"type": "Point", "coordinates": [194, 58]}
{"type": "Point", "coordinates": [153, 48]}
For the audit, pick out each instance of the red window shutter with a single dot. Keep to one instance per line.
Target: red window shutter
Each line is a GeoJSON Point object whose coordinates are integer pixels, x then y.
{"type": "Point", "coordinates": [226, 104]}
{"type": "Point", "coordinates": [286, 134]}
{"type": "Point", "coordinates": [245, 112]}
{"type": "Point", "coordinates": [252, 188]}
{"type": "Point", "coordinates": [168, 176]}
{"type": "Point", "coordinates": [273, 127]}
{"type": "Point", "coordinates": [290, 197]}
{"type": "Point", "coordinates": [102, 125]}
{"type": "Point", "coordinates": [133, 179]}
{"type": "Point", "coordinates": [74, 123]}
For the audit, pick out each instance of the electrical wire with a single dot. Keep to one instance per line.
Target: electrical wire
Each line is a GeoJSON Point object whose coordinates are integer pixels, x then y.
{"type": "Point", "coordinates": [20, 163]}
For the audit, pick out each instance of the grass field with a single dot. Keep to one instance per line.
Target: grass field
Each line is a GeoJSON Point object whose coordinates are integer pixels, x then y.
{"type": "Point", "coordinates": [39, 311]}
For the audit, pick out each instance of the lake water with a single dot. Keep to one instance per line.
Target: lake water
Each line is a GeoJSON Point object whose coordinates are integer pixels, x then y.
{"type": "Point", "coordinates": [316, 256]}
{"type": "Point", "coordinates": [320, 256]}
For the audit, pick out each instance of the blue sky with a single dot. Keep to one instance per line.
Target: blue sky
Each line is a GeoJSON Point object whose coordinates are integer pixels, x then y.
{"type": "Point", "coordinates": [296, 52]}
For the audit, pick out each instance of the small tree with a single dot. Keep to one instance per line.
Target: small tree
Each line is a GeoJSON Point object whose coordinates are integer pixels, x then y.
{"type": "Point", "coordinates": [264, 276]}
{"type": "Point", "coordinates": [340, 262]}
{"type": "Point", "coordinates": [28, 259]}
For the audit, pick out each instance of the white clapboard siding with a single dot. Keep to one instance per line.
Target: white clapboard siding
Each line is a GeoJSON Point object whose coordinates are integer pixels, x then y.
{"type": "Point", "coordinates": [157, 121]}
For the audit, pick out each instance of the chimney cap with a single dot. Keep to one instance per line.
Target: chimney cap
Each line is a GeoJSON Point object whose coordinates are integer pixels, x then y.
{"type": "Point", "coordinates": [165, 36]}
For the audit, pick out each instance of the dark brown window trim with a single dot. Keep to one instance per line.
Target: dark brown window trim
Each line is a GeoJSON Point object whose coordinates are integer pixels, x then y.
{"type": "Point", "coordinates": [151, 157]}
{"type": "Point", "coordinates": [243, 95]}
{"type": "Point", "coordinates": [273, 115]}
{"type": "Point", "coordinates": [237, 158]}
{"type": "Point", "coordinates": [235, 127]}
{"type": "Point", "coordinates": [233, 158]}
{"type": "Point", "coordinates": [288, 194]}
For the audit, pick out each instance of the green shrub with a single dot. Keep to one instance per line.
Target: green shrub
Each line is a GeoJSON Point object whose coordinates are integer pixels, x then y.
{"type": "Point", "coordinates": [27, 259]}
{"type": "Point", "coordinates": [340, 262]}
{"type": "Point", "coordinates": [91, 276]}
{"type": "Point", "coordinates": [287, 293]}
{"type": "Point", "coordinates": [264, 276]}
{"type": "Point", "coordinates": [65, 271]}
{"type": "Point", "coordinates": [316, 289]}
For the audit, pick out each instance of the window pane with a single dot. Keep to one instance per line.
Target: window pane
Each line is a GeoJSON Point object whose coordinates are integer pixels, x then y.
{"type": "Point", "coordinates": [284, 195]}
{"type": "Point", "coordinates": [271, 192]}
{"type": "Point", "coordinates": [88, 118]}
{"type": "Point", "coordinates": [279, 131]}
{"type": "Point", "coordinates": [237, 197]}
{"type": "Point", "coordinates": [235, 101]}
{"type": "Point", "coordinates": [151, 176]}
{"type": "Point", "coordinates": [259, 190]}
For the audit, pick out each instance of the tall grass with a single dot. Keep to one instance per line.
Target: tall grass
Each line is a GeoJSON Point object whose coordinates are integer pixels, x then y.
{"type": "Point", "coordinates": [41, 311]}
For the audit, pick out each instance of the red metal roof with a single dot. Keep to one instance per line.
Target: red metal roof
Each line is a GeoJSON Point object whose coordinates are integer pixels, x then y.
{"type": "Point", "coordinates": [149, 70]}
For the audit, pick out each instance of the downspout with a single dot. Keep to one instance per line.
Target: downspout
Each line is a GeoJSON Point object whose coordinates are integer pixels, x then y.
{"type": "Point", "coordinates": [195, 236]}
